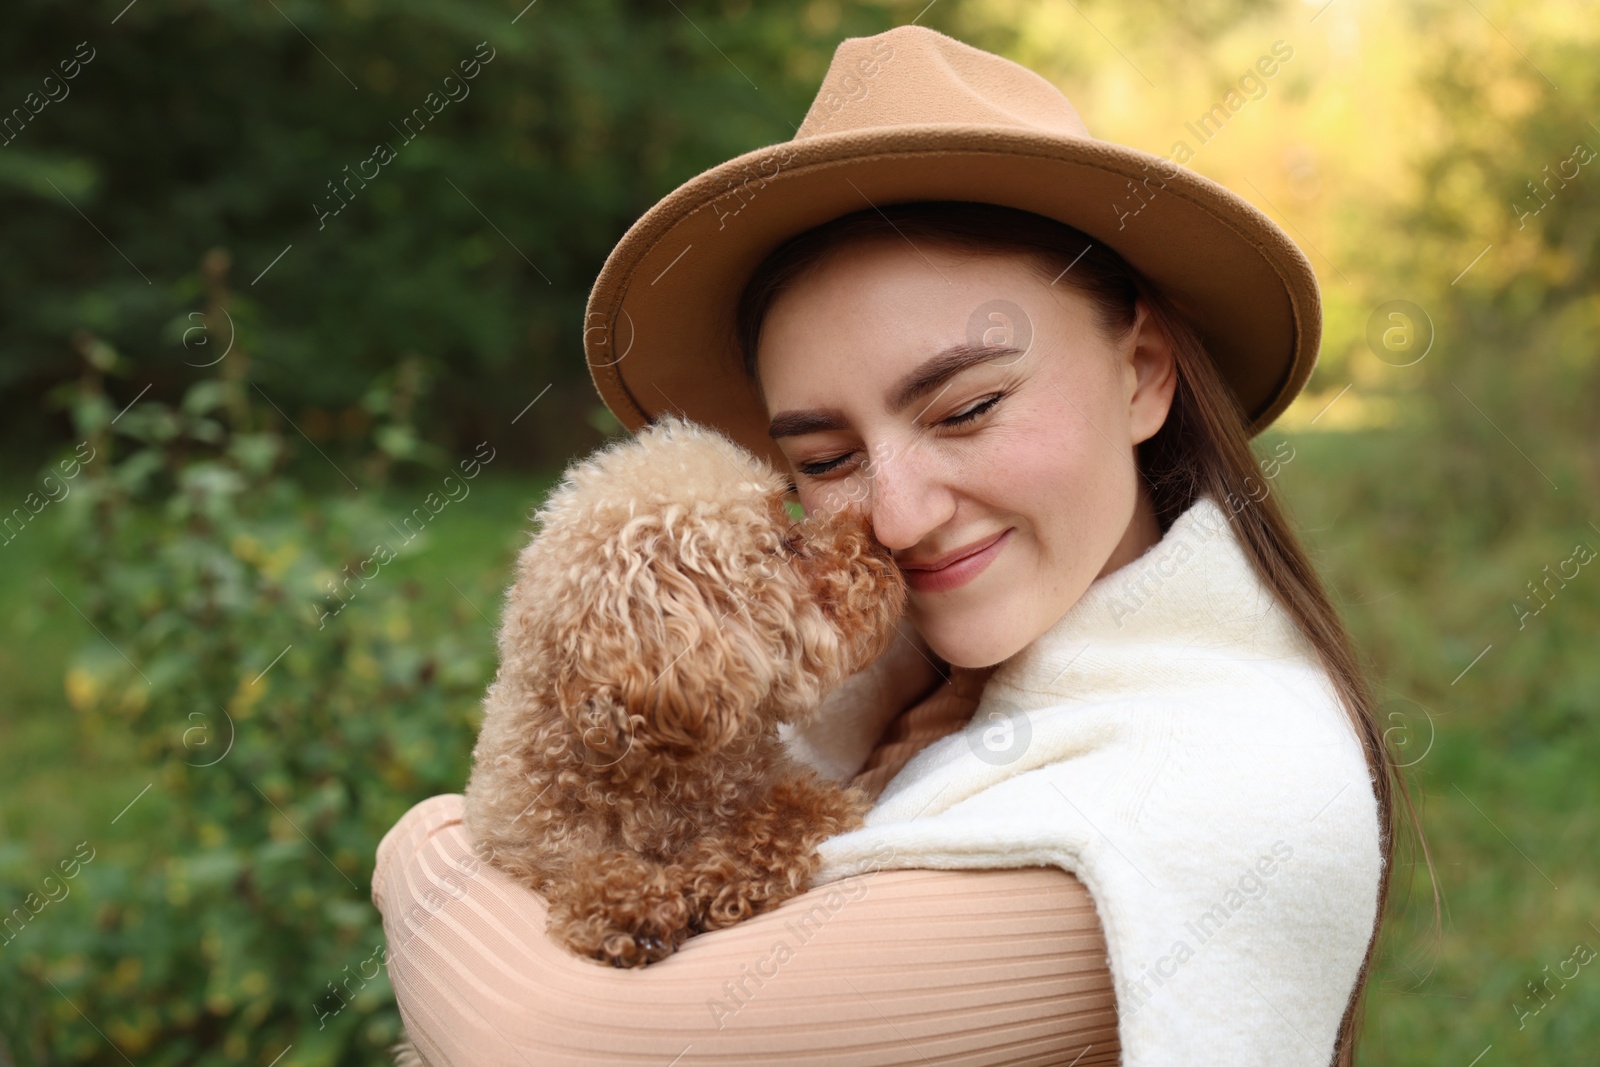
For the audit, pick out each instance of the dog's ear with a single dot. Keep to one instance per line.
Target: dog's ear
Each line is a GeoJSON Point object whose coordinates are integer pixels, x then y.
{"type": "Point", "coordinates": [712, 669]}
{"type": "Point", "coordinates": [658, 648]}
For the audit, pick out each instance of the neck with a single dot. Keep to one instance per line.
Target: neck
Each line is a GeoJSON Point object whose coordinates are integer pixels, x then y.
{"type": "Point", "coordinates": [1143, 531]}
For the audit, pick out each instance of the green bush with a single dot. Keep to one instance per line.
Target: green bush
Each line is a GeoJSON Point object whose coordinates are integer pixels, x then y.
{"type": "Point", "coordinates": [256, 655]}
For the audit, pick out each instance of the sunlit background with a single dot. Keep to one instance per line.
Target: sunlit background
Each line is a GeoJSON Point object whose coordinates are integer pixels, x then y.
{"type": "Point", "coordinates": [270, 437]}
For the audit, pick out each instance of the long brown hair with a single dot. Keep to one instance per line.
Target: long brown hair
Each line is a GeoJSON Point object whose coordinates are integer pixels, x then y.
{"type": "Point", "coordinates": [1203, 448]}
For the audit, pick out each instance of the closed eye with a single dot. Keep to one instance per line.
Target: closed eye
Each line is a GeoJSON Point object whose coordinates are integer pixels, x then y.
{"type": "Point", "coordinates": [973, 412]}
{"type": "Point", "coordinates": [961, 418]}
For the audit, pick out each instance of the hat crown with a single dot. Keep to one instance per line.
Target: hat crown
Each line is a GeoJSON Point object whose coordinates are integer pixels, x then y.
{"type": "Point", "coordinates": [912, 115]}
{"type": "Point", "coordinates": [914, 76]}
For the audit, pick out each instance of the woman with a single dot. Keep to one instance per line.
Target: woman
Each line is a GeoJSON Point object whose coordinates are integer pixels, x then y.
{"type": "Point", "coordinates": [921, 306]}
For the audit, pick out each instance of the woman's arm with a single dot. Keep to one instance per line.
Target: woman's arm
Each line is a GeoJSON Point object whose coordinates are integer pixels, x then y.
{"type": "Point", "coordinates": [891, 967]}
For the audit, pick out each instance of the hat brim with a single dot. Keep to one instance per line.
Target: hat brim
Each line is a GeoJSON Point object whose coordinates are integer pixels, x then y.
{"type": "Point", "coordinates": [659, 330]}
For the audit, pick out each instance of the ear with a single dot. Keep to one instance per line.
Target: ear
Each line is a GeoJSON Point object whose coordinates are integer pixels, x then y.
{"type": "Point", "coordinates": [703, 698]}
{"type": "Point", "coordinates": [660, 651]}
{"type": "Point", "coordinates": [1150, 372]}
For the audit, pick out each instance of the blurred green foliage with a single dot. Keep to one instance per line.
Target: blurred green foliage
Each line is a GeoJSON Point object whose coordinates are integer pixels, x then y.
{"type": "Point", "coordinates": [210, 123]}
{"type": "Point", "coordinates": [271, 681]}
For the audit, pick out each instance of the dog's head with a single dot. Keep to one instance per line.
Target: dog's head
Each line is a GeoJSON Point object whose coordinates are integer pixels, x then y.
{"type": "Point", "coordinates": [677, 605]}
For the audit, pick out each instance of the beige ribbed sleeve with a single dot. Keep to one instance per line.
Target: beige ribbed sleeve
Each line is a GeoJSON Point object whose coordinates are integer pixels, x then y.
{"type": "Point", "coordinates": [909, 967]}
{"type": "Point", "coordinates": [893, 967]}
{"type": "Point", "coordinates": [946, 706]}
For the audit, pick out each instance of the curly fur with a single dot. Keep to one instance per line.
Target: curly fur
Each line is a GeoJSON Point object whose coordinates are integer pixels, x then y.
{"type": "Point", "coordinates": [667, 615]}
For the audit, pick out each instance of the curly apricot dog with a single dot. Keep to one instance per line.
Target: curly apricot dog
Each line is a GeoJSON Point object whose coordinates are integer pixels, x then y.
{"type": "Point", "coordinates": [665, 618]}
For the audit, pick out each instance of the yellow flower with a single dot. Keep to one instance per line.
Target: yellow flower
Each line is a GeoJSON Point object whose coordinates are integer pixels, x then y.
{"type": "Point", "coordinates": [258, 1010]}
{"type": "Point", "coordinates": [132, 1037]}
{"type": "Point", "coordinates": [245, 547]}
{"type": "Point", "coordinates": [397, 627]}
{"type": "Point", "coordinates": [82, 688]}
{"type": "Point", "coordinates": [126, 973]}
{"type": "Point", "coordinates": [275, 564]}
{"type": "Point", "coordinates": [135, 697]}
{"type": "Point", "coordinates": [247, 695]}
{"type": "Point", "coordinates": [363, 665]}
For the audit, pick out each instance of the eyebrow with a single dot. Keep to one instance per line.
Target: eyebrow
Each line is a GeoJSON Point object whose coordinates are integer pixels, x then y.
{"type": "Point", "coordinates": [922, 380]}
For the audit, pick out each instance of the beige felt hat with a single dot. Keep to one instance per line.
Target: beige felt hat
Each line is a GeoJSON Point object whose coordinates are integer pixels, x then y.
{"type": "Point", "coordinates": [913, 114]}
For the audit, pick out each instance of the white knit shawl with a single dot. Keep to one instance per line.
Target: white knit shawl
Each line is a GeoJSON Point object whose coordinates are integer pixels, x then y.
{"type": "Point", "coordinates": [1173, 742]}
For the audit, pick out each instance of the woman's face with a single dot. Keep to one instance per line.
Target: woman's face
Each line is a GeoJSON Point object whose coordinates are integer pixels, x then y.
{"type": "Point", "coordinates": [960, 399]}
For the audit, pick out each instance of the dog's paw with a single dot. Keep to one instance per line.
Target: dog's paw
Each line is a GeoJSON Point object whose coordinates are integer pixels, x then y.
{"type": "Point", "coordinates": [623, 949]}
{"type": "Point", "coordinates": [620, 908]}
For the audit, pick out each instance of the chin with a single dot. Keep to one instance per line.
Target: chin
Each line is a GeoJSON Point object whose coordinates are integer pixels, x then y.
{"type": "Point", "coordinates": [967, 641]}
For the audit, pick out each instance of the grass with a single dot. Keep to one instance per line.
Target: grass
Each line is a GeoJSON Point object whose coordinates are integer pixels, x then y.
{"type": "Point", "coordinates": [1502, 746]}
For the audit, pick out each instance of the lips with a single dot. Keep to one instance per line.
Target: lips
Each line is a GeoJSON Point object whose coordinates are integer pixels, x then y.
{"type": "Point", "coordinates": [954, 557]}
{"type": "Point", "coordinates": [958, 568]}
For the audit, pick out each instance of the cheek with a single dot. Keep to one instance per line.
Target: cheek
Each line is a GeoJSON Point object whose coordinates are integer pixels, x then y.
{"type": "Point", "coordinates": [1049, 459]}
{"type": "Point", "coordinates": [1089, 460]}
{"type": "Point", "coordinates": [821, 499]}
{"type": "Point", "coordinates": [1067, 481]}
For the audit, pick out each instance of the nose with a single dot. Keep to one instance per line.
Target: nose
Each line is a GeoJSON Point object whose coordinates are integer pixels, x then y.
{"type": "Point", "coordinates": [907, 497]}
